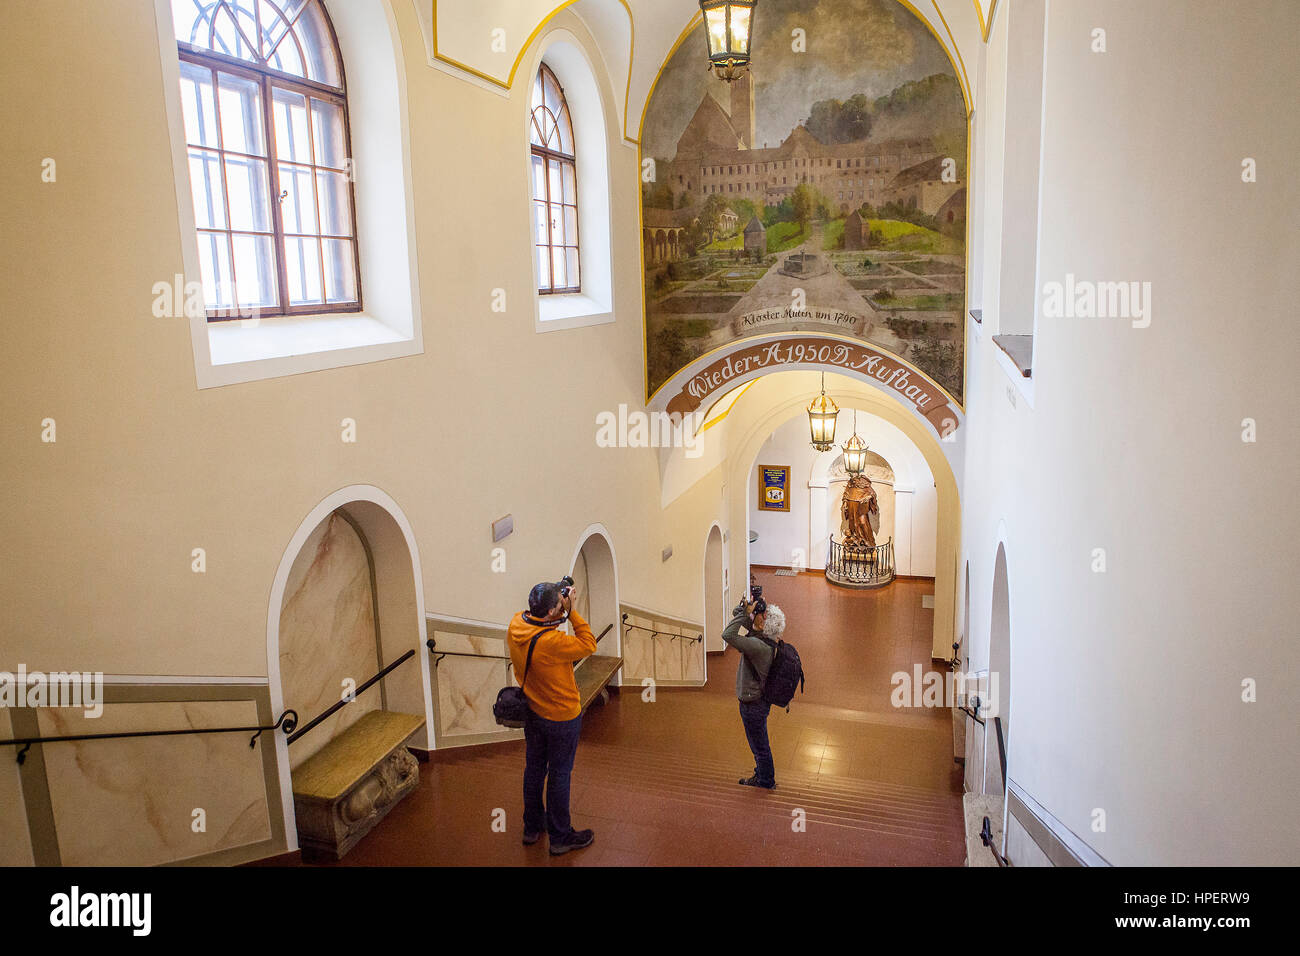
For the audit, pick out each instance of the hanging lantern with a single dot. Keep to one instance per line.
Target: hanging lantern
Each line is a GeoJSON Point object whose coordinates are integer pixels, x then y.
{"type": "Point", "coordinates": [821, 419]}
{"type": "Point", "coordinates": [728, 27]}
{"type": "Point", "coordinates": [855, 451]}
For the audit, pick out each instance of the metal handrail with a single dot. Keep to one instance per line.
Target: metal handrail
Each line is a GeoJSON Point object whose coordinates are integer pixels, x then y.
{"type": "Point", "coordinates": [654, 633]}
{"type": "Point", "coordinates": [352, 698]}
{"type": "Point", "coordinates": [986, 837]}
{"type": "Point", "coordinates": [438, 655]}
{"type": "Point", "coordinates": [845, 565]}
{"type": "Point", "coordinates": [288, 720]}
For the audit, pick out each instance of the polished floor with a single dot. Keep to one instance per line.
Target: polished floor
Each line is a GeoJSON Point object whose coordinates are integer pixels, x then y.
{"type": "Point", "coordinates": [859, 782]}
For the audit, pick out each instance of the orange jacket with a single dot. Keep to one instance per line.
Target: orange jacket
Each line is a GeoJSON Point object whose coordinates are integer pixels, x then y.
{"type": "Point", "coordinates": [551, 690]}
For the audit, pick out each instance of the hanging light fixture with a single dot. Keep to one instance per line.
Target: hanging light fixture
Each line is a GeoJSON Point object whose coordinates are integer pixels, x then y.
{"type": "Point", "coordinates": [728, 25]}
{"type": "Point", "coordinates": [855, 451]}
{"type": "Point", "coordinates": [821, 419]}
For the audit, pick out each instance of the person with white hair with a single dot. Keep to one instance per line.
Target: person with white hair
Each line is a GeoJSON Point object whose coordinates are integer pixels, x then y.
{"type": "Point", "coordinates": [755, 628]}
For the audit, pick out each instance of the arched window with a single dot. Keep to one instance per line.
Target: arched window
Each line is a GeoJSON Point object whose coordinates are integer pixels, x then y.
{"type": "Point", "coordinates": [555, 187]}
{"type": "Point", "coordinates": [266, 123]}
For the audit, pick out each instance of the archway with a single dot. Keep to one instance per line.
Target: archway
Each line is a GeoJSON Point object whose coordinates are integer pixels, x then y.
{"type": "Point", "coordinates": [996, 703]}
{"type": "Point", "coordinates": [715, 596]}
{"type": "Point", "coordinates": [787, 395]}
{"type": "Point", "coordinates": [595, 572]}
{"type": "Point", "coordinates": [358, 548]}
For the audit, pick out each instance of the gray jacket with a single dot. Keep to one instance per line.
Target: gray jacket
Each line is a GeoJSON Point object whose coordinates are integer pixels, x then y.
{"type": "Point", "coordinates": [756, 655]}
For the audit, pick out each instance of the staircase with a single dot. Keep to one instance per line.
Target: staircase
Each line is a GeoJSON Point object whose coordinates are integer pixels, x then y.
{"type": "Point", "coordinates": [689, 810]}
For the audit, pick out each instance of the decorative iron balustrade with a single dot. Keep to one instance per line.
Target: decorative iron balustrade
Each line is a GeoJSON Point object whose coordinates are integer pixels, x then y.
{"type": "Point", "coordinates": [860, 567]}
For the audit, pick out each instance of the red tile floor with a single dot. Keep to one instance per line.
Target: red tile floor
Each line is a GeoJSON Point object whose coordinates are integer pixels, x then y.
{"type": "Point", "coordinates": [873, 785]}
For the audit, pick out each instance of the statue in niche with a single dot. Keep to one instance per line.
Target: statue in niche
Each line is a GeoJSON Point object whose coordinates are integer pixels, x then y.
{"type": "Point", "coordinates": [858, 508]}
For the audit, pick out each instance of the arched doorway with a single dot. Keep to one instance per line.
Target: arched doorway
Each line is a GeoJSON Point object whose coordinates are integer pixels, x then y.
{"type": "Point", "coordinates": [346, 601]}
{"type": "Point", "coordinates": [715, 598]}
{"type": "Point", "coordinates": [996, 703]}
{"type": "Point", "coordinates": [594, 572]}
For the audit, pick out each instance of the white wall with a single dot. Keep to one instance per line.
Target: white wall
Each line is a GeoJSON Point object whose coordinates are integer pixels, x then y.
{"type": "Point", "coordinates": [1129, 682]}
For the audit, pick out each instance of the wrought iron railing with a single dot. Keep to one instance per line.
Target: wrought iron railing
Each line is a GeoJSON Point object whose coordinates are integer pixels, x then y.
{"type": "Point", "coordinates": [653, 633]}
{"type": "Point", "coordinates": [863, 567]}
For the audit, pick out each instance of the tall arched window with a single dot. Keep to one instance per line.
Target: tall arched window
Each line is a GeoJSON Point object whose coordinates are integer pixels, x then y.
{"type": "Point", "coordinates": [555, 187]}
{"type": "Point", "coordinates": [266, 123]}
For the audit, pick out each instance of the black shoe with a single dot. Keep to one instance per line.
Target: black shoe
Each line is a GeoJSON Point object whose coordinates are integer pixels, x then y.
{"type": "Point", "coordinates": [755, 782]}
{"type": "Point", "coordinates": [576, 840]}
{"type": "Point", "coordinates": [531, 838]}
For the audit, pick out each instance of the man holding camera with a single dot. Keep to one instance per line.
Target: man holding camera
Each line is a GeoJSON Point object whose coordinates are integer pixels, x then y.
{"type": "Point", "coordinates": [554, 716]}
{"type": "Point", "coordinates": [754, 630]}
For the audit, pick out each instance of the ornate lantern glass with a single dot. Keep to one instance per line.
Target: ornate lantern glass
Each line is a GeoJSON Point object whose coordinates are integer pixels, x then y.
{"type": "Point", "coordinates": [855, 451]}
{"type": "Point", "coordinates": [728, 25]}
{"type": "Point", "coordinates": [821, 419]}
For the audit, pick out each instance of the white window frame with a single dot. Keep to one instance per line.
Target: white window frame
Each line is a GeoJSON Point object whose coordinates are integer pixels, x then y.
{"type": "Point", "coordinates": [236, 351]}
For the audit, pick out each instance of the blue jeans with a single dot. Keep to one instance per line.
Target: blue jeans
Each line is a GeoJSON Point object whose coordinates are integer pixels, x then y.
{"type": "Point", "coordinates": [550, 746]}
{"type": "Point", "coordinates": [754, 716]}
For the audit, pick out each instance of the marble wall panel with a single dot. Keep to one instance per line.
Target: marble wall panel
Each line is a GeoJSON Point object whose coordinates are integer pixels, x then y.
{"type": "Point", "coordinates": [327, 633]}
{"type": "Point", "coordinates": [131, 802]}
{"type": "Point", "coordinates": [467, 688]}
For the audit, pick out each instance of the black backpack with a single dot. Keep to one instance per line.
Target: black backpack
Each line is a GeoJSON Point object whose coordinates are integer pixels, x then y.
{"type": "Point", "coordinates": [785, 676]}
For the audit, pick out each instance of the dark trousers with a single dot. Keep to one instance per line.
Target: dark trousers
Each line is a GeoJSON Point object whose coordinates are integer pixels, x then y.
{"type": "Point", "coordinates": [754, 716]}
{"type": "Point", "coordinates": [550, 746]}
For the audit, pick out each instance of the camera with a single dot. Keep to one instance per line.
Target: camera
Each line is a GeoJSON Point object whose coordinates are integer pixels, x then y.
{"type": "Point", "coordinates": [756, 595]}
{"type": "Point", "coordinates": [566, 586]}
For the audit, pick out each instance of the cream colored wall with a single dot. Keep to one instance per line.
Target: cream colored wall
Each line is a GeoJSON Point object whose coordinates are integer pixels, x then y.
{"type": "Point", "coordinates": [1128, 683]}
{"type": "Point", "coordinates": [492, 418]}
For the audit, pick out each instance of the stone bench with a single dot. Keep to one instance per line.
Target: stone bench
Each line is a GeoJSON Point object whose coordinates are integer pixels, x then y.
{"type": "Point", "coordinates": [593, 676]}
{"type": "Point", "coordinates": [342, 792]}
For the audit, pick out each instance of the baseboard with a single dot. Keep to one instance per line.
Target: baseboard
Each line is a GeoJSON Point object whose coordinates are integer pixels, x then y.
{"type": "Point", "coordinates": [821, 573]}
{"type": "Point", "coordinates": [443, 754]}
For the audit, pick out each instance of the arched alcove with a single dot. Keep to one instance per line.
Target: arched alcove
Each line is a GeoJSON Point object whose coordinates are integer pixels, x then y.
{"type": "Point", "coordinates": [715, 598]}
{"type": "Point", "coordinates": [595, 572]}
{"type": "Point", "coordinates": [358, 548]}
{"type": "Point", "coordinates": [997, 699]}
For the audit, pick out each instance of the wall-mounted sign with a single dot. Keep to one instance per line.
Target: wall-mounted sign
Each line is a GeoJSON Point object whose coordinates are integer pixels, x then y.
{"type": "Point", "coordinates": [773, 487]}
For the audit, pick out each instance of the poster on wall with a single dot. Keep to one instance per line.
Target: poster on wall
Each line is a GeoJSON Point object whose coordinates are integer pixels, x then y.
{"type": "Point", "coordinates": [823, 192]}
{"type": "Point", "coordinates": [773, 487]}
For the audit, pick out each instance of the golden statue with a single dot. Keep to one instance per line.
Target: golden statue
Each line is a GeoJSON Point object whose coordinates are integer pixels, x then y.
{"type": "Point", "coordinates": [856, 509]}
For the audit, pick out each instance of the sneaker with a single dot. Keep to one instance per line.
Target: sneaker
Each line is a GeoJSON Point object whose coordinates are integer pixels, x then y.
{"type": "Point", "coordinates": [755, 782]}
{"type": "Point", "coordinates": [531, 838]}
{"type": "Point", "coordinates": [576, 840]}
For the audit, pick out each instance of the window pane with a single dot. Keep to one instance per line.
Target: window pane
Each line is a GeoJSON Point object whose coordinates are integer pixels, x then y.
{"type": "Point", "coordinates": [302, 263]}
{"type": "Point", "coordinates": [557, 269]}
{"type": "Point", "coordinates": [539, 216]}
{"type": "Point", "coordinates": [254, 271]}
{"type": "Point", "coordinates": [553, 171]}
{"type": "Point", "coordinates": [190, 19]}
{"type": "Point", "coordinates": [205, 185]}
{"type": "Point", "coordinates": [335, 213]}
{"type": "Point", "coordinates": [291, 140]}
{"type": "Point", "coordinates": [241, 114]}
{"type": "Point", "coordinates": [198, 105]}
{"type": "Point", "coordinates": [318, 46]}
{"type": "Point", "coordinates": [544, 267]}
{"type": "Point", "coordinates": [214, 266]}
{"type": "Point", "coordinates": [571, 225]}
{"type": "Point", "coordinates": [250, 209]}
{"type": "Point", "coordinates": [570, 193]}
{"type": "Point", "coordinates": [539, 178]}
{"type": "Point", "coordinates": [340, 274]}
{"type": "Point", "coordinates": [298, 207]}
{"type": "Point", "coordinates": [556, 213]}
{"type": "Point", "coordinates": [571, 257]}
{"type": "Point", "coordinates": [327, 129]}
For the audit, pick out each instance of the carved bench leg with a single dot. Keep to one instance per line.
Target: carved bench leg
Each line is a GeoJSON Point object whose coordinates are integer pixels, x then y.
{"type": "Point", "coordinates": [604, 696]}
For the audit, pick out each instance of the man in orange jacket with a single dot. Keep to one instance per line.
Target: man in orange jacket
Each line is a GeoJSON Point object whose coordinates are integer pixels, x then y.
{"type": "Point", "coordinates": [554, 716]}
